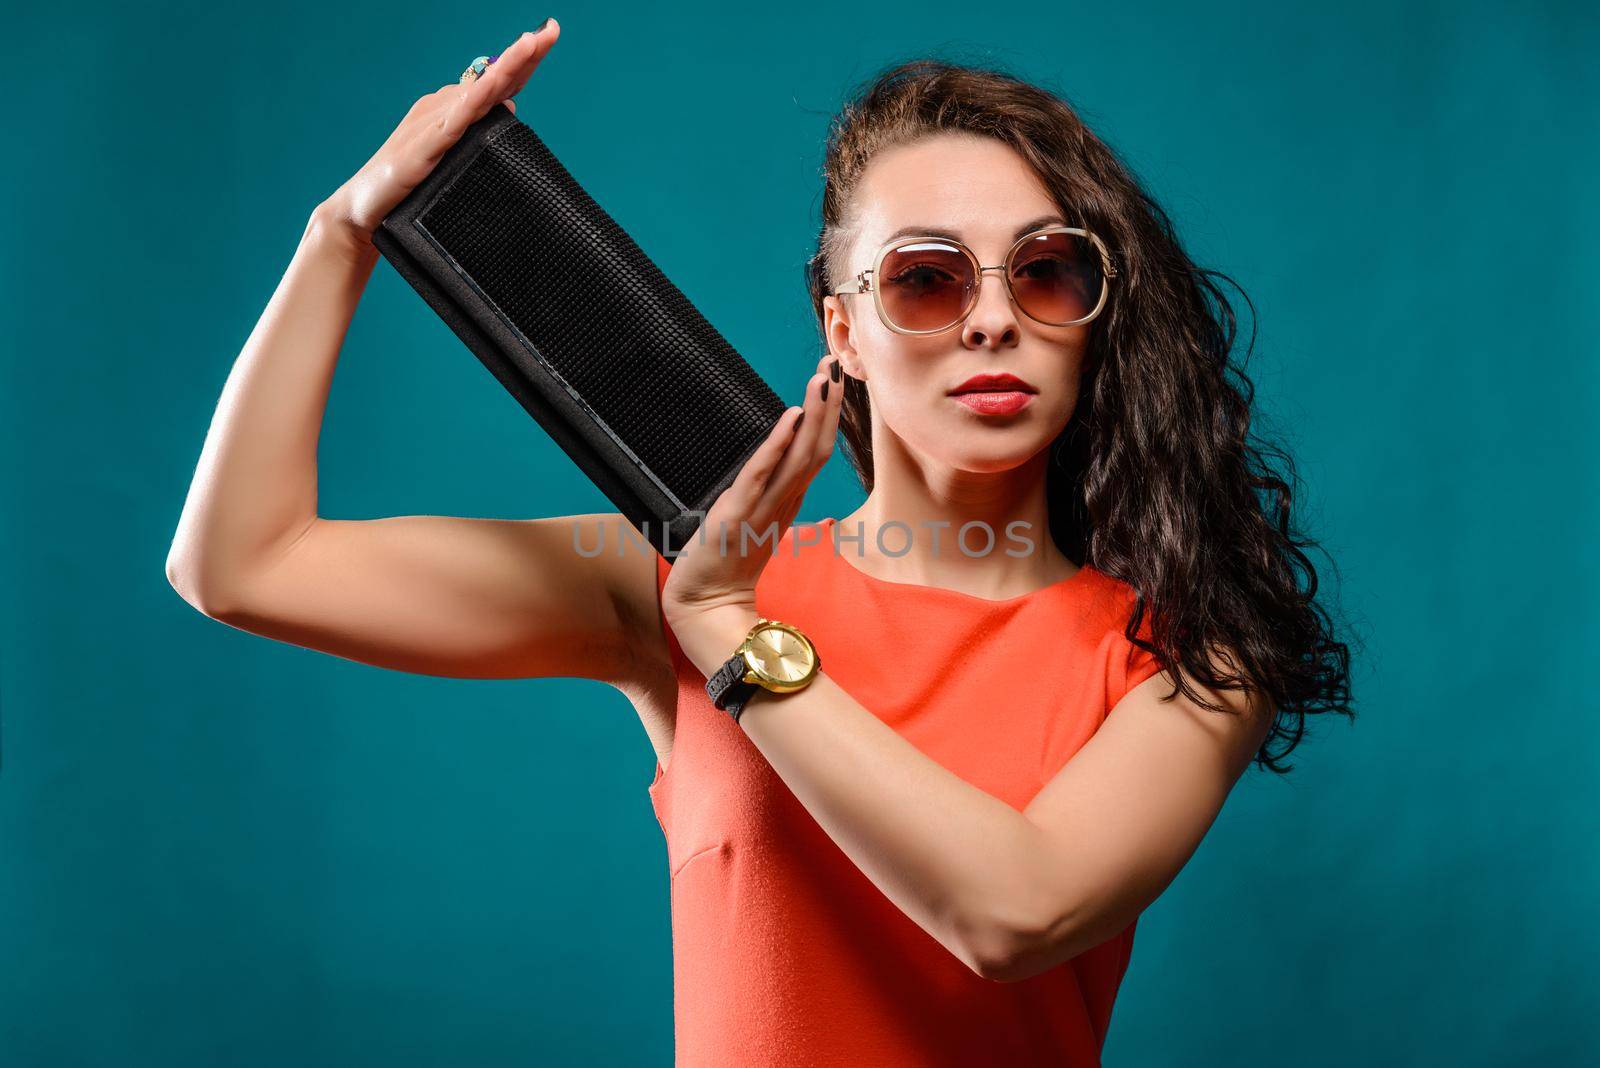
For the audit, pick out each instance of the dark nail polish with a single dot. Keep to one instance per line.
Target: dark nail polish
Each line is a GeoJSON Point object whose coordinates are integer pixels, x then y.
{"type": "Point", "coordinates": [799, 419]}
{"type": "Point", "coordinates": [540, 28]}
{"type": "Point", "coordinates": [833, 371]}
{"type": "Point", "coordinates": [824, 389]}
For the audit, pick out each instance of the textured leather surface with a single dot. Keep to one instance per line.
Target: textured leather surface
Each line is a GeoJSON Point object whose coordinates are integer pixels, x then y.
{"type": "Point", "coordinates": [581, 326]}
{"type": "Point", "coordinates": [725, 689]}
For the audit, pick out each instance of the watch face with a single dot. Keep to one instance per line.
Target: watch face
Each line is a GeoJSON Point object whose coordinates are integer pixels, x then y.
{"type": "Point", "coordinates": [780, 654]}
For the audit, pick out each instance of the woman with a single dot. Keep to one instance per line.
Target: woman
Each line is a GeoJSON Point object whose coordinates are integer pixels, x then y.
{"type": "Point", "coordinates": [935, 851]}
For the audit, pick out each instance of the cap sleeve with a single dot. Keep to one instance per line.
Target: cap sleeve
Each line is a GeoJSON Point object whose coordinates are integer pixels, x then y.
{"type": "Point", "coordinates": [1131, 665]}
{"type": "Point", "coordinates": [1141, 664]}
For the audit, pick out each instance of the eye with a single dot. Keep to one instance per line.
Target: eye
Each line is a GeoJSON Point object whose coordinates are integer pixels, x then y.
{"type": "Point", "coordinates": [1049, 266]}
{"type": "Point", "coordinates": [922, 276]}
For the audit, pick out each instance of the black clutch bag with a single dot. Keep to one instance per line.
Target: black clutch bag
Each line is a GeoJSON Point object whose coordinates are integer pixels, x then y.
{"type": "Point", "coordinates": [581, 327]}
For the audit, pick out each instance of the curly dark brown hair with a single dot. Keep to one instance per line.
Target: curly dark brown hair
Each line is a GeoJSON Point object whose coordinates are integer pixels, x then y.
{"type": "Point", "coordinates": [1155, 480]}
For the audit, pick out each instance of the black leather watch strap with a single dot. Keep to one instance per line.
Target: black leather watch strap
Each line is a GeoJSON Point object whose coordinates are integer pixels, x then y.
{"type": "Point", "coordinates": [727, 688]}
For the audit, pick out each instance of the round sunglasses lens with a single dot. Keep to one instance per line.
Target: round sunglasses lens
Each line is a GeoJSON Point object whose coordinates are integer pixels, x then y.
{"type": "Point", "coordinates": [1057, 278]}
{"type": "Point", "coordinates": [925, 285]}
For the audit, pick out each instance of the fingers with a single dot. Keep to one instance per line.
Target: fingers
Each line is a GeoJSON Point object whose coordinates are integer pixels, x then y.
{"type": "Point", "coordinates": [773, 482]}
{"type": "Point", "coordinates": [466, 103]}
{"type": "Point", "coordinates": [752, 481]}
{"type": "Point", "coordinates": [813, 443]}
{"type": "Point", "coordinates": [544, 39]}
{"type": "Point", "coordinates": [797, 460]}
{"type": "Point", "coordinates": [828, 431]}
{"type": "Point", "coordinates": [506, 76]}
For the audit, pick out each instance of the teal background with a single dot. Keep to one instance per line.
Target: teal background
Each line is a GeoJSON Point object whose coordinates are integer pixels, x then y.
{"type": "Point", "coordinates": [219, 849]}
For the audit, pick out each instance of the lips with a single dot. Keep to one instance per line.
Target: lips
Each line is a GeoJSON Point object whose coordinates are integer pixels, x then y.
{"type": "Point", "coordinates": [990, 403]}
{"type": "Point", "coordinates": [1000, 383]}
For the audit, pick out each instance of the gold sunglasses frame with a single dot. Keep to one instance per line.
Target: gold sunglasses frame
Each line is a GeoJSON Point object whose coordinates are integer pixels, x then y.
{"type": "Point", "coordinates": [863, 282]}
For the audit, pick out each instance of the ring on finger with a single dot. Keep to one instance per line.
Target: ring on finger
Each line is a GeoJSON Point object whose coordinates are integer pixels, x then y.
{"type": "Point", "coordinates": [476, 68]}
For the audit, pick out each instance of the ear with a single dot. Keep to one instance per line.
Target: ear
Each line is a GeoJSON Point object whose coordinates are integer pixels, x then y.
{"type": "Point", "coordinates": [836, 328]}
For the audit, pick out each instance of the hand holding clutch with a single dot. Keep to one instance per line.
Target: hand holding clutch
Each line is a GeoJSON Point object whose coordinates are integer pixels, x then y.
{"type": "Point", "coordinates": [577, 323]}
{"type": "Point", "coordinates": [430, 129]}
{"type": "Point", "coordinates": [709, 599]}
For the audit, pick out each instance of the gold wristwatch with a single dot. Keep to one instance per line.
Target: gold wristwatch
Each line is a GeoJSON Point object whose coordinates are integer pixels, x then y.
{"type": "Point", "coordinates": [773, 656]}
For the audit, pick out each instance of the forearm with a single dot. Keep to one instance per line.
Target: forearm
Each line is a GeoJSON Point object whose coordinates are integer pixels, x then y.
{"type": "Point", "coordinates": [951, 856]}
{"type": "Point", "coordinates": [255, 486]}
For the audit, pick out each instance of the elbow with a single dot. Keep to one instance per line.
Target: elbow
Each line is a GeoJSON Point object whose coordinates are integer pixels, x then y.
{"type": "Point", "coordinates": [1021, 943]}
{"type": "Point", "coordinates": [1016, 951]}
{"type": "Point", "coordinates": [206, 596]}
{"type": "Point", "coordinates": [1007, 958]}
{"type": "Point", "coordinates": [1010, 948]}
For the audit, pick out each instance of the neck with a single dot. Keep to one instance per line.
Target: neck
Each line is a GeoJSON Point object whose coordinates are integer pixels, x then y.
{"type": "Point", "coordinates": [911, 524]}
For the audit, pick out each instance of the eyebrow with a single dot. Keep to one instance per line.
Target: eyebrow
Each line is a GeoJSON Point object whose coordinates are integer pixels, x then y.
{"type": "Point", "coordinates": [934, 231]}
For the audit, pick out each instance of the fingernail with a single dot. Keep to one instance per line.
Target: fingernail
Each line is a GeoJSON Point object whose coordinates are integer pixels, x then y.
{"type": "Point", "coordinates": [800, 419]}
{"type": "Point", "coordinates": [494, 57]}
{"type": "Point", "coordinates": [540, 28]}
{"type": "Point", "coordinates": [834, 370]}
{"type": "Point", "coordinates": [824, 389]}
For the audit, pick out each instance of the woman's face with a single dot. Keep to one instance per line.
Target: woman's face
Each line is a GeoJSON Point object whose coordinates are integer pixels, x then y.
{"type": "Point", "coordinates": [984, 192]}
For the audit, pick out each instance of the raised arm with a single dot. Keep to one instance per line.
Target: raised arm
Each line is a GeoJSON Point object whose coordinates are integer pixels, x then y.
{"type": "Point", "coordinates": [430, 594]}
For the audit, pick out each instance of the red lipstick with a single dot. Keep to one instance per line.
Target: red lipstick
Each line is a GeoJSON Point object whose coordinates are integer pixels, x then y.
{"type": "Point", "coordinates": [994, 394]}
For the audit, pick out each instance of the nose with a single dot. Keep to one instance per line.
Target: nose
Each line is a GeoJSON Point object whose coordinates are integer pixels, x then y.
{"type": "Point", "coordinates": [993, 320]}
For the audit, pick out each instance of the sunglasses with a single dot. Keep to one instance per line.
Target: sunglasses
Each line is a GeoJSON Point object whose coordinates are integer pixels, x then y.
{"type": "Point", "coordinates": [1058, 276]}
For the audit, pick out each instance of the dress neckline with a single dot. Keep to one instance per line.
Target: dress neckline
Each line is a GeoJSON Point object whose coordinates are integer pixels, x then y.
{"type": "Point", "coordinates": [828, 546]}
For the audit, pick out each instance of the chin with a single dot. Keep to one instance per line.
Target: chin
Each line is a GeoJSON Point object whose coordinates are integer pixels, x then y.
{"type": "Point", "coordinates": [991, 461]}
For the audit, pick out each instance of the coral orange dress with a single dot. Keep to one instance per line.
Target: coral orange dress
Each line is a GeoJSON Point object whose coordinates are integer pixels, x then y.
{"type": "Point", "coordinates": [784, 953]}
